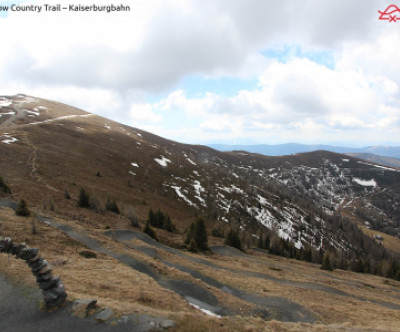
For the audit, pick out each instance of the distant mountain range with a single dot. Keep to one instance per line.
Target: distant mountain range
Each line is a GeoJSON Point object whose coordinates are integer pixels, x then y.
{"type": "Point", "coordinates": [293, 148]}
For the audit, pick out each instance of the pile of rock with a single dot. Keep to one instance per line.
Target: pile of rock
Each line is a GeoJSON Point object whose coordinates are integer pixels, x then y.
{"type": "Point", "coordinates": [52, 288]}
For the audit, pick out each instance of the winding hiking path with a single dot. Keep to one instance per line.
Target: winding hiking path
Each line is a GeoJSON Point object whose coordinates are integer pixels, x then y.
{"type": "Point", "coordinates": [272, 307]}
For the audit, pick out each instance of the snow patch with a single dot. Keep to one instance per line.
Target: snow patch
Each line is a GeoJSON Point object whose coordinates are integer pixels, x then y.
{"type": "Point", "coordinates": [191, 161]}
{"type": "Point", "coordinates": [34, 112]}
{"type": "Point", "coordinates": [5, 103]}
{"type": "Point", "coordinates": [9, 113]}
{"type": "Point", "coordinates": [162, 161]}
{"type": "Point", "coordinates": [346, 160]}
{"type": "Point", "coordinates": [365, 183]}
{"type": "Point", "coordinates": [379, 166]}
{"type": "Point", "coordinates": [207, 312]}
{"type": "Point", "coordinates": [134, 164]}
{"type": "Point", "coordinates": [181, 195]}
{"type": "Point", "coordinates": [8, 139]}
{"type": "Point", "coordinates": [62, 118]}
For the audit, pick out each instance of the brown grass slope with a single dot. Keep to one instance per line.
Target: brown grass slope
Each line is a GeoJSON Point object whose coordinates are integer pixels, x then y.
{"type": "Point", "coordinates": [64, 149]}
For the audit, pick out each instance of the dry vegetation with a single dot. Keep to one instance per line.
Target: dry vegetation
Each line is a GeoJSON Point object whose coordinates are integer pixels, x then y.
{"type": "Point", "coordinates": [125, 290]}
{"type": "Point", "coordinates": [42, 173]}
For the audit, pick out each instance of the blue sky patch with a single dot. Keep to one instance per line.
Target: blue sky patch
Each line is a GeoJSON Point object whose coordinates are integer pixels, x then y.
{"type": "Point", "coordinates": [288, 52]}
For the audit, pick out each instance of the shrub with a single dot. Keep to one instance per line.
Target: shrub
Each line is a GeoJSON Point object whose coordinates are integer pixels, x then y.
{"type": "Point", "coordinates": [67, 195]}
{"type": "Point", "coordinates": [131, 215]}
{"type": "Point", "coordinates": [22, 209]}
{"type": "Point", "coordinates": [217, 232]}
{"type": "Point", "coordinates": [88, 254]}
{"type": "Point", "coordinates": [95, 205]}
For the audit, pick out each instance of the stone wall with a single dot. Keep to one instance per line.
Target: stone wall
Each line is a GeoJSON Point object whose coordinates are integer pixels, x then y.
{"type": "Point", "coordinates": [53, 289]}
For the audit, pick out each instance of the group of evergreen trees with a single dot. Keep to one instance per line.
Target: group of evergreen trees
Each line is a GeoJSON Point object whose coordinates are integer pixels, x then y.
{"type": "Point", "coordinates": [233, 239]}
{"type": "Point", "coordinates": [87, 202]}
{"type": "Point", "coordinates": [196, 236]}
{"type": "Point", "coordinates": [112, 206]}
{"type": "Point", "coordinates": [160, 220]}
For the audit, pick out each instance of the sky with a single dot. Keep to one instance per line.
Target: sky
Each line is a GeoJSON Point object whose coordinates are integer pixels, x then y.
{"type": "Point", "coordinates": [216, 71]}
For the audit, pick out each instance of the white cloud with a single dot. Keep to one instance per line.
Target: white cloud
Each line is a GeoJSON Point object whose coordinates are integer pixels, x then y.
{"type": "Point", "coordinates": [110, 63]}
{"type": "Point", "coordinates": [143, 113]}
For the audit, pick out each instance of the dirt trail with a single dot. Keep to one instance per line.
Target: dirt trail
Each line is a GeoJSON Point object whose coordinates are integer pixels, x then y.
{"type": "Point", "coordinates": [19, 114]}
{"type": "Point", "coordinates": [269, 307]}
{"type": "Point", "coordinates": [186, 289]}
{"type": "Point", "coordinates": [33, 163]}
{"type": "Point", "coordinates": [272, 307]}
{"type": "Point", "coordinates": [126, 235]}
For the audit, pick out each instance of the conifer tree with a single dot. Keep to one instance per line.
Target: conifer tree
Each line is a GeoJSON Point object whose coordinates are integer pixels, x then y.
{"type": "Point", "coordinates": [83, 200]}
{"type": "Point", "coordinates": [197, 232]}
{"type": "Point", "coordinates": [150, 231]}
{"type": "Point", "coordinates": [189, 234]}
{"type": "Point", "coordinates": [260, 242]}
{"type": "Point", "coordinates": [326, 262]}
{"type": "Point", "coordinates": [112, 206]}
{"type": "Point", "coordinates": [3, 187]}
{"type": "Point", "coordinates": [200, 234]}
{"type": "Point", "coordinates": [233, 240]}
{"type": "Point", "coordinates": [22, 209]}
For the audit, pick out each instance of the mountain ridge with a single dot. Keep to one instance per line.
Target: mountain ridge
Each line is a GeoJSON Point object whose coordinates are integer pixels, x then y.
{"type": "Point", "coordinates": [306, 206]}
{"type": "Point", "coordinates": [292, 148]}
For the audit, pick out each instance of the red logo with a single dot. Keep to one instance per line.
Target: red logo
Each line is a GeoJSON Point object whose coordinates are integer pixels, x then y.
{"type": "Point", "coordinates": [390, 14]}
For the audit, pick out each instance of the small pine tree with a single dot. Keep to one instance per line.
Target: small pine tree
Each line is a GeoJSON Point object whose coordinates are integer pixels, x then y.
{"type": "Point", "coordinates": [98, 174]}
{"type": "Point", "coordinates": [150, 231]}
{"type": "Point", "coordinates": [168, 225]}
{"type": "Point", "coordinates": [260, 242]}
{"type": "Point", "coordinates": [22, 209]}
{"type": "Point", "coordinates": [267, 242]}
{"type": "Point", "coordinates": [159, 219]}
{"type": "Point", "coordinates": [326, 262]}
{"type": "Point", "coordinates": [151, 218]}
{"type": "Point", "coordinates": [83, 200]}
{"type": "Point", "coordinates": [233, 240]}
{"type": "Point", "coordinates": [193, 246]}
{"type": "Point", "coordinates": [189, 234]}
{"type": "Point", "coordinates": [3, 187]}
{"type": "Point", "coordinates": [196, 236]}
{"type": "Point", "coordinates": [111, 205]}
{"type": "Point", "coordinates": [200, 235]}
{"type": "Point", "coordinates": [131, 215]}
{"type": "Point", "coordinates": [306, 254]}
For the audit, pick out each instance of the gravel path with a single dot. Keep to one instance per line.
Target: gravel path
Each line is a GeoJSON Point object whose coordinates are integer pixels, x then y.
{"type": "Point", "coordinates": [19, 312]}
{"type": "Point", "coordinates": [271, 307]}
